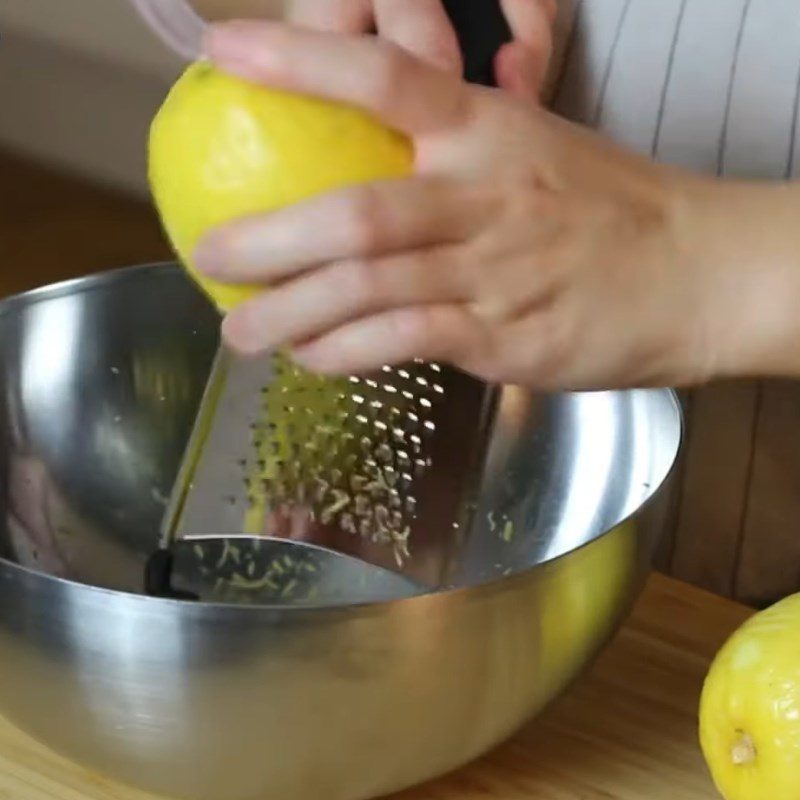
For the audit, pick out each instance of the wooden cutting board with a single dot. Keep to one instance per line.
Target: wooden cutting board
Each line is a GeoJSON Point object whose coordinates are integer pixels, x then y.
{"type": "Point", "coordinates": [627, 731]}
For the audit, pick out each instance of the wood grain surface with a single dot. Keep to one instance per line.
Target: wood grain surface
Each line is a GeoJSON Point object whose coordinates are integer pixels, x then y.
{"type": "Point", "coordinates": [54, 227]}
{"type": "Point", "coordinates": [626, 731]}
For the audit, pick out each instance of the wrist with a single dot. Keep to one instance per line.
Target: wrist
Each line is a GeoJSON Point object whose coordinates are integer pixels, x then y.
{"type": "Point", "coordinates": [742, 240]}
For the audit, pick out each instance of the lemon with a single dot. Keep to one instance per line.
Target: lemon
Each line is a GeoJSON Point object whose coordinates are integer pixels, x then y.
{"type": "Point", "coordinates": [221, 148]}
{"type": "Point", "coordinates": [750, 708]}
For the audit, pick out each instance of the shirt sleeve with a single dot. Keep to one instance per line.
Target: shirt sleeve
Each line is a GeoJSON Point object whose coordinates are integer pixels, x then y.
{"type": "Point", "coordinates": [712, 85]}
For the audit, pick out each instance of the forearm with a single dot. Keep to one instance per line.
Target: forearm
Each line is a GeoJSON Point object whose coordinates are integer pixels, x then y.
{"type": "Point", "coordinates": [744, 237]}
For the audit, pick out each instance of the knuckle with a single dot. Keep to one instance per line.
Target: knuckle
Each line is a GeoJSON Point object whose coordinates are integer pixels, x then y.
{"type": "Point", "coordinates": [527, 194]}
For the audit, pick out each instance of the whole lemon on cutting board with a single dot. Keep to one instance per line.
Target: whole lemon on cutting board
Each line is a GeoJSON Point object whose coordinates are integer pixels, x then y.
{"type": "Point", "coordinates": [750, 708]}
{"type": "Point", "coordinates": [221, 148]}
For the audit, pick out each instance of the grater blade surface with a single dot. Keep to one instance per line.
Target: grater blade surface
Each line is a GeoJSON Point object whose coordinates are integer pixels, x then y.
{"type": "Point", "coordinates": [381, 468]}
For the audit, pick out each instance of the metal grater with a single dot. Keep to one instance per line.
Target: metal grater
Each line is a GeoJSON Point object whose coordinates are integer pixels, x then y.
{"type": "Point", "coordinates": [347, 452]}
{"type": "Point", "coordinates": [377, 468]}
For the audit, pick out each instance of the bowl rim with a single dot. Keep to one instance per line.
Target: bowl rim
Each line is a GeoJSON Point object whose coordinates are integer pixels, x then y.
{"type": "Point", "coordinates": [84, 283]}
{"type": "Point", "coordinates": [496, 584]}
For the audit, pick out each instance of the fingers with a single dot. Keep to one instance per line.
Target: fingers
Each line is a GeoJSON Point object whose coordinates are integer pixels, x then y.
{"type": "Point", "coordinates": [342, 16]}
{"type": "Point", "coordinates": [419, 26]}
{"type": "Point", "coordinates": [520, 71]}
{"type": "Point", "coordinates": [336, 294]}
{"type": "Point", "coordinates": [517, 9]}
{"type": "Point", "coordinates": [433, 333]}
{"type": "Point", "coordinates": [371, 74]}
{"type": "Point", "coordinates": [423, 28]}
{"type": "Point", "coordinates": [356, 222]}
{"type": "Point", "coordinates": [522, 65]}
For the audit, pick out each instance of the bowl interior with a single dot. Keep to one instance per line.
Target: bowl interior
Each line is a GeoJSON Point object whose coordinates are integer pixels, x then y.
{"type": "Point", "coordinates": [100, 380]}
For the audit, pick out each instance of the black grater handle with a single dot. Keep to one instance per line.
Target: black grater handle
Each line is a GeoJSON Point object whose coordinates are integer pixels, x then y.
{"type": "Point", "coordinates": [482, 30]}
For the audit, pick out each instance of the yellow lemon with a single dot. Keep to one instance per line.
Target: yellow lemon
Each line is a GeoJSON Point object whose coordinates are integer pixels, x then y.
{"type": "Point", "coordinates": [221, 148]}
{"type": "Point", "coordinates": [750, 708]}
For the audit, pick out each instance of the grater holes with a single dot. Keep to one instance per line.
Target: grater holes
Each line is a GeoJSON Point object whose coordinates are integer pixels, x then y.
{"type": "Point", "coordinates": [395, 500]}
{"type": "Point", "coordinates": [385, 454]}
{"type": "Point", "coordinates": [381, 428]}
{"type": "Point", "coordinates": [362, 445]}
{"type": "Point", "coordinates": [391, 477]}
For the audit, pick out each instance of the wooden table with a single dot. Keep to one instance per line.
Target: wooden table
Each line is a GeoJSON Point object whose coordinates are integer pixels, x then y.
{"type": "Point", "coordinates": [627, 731]}
{"type": "Point", "coordinates": [54, 227]}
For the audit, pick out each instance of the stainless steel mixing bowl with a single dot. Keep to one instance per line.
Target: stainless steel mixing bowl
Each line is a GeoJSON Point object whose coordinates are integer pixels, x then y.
{"type": "Point", "coordinates": [100, 381]}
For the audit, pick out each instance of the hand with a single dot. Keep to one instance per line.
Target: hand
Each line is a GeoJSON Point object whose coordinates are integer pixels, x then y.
{"type": "Point", "coordinates": [420, 26]}
{"type": "Point", "coordinates": [524, 249]}
{"type": "Point", "coordinates": [423, 29]}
